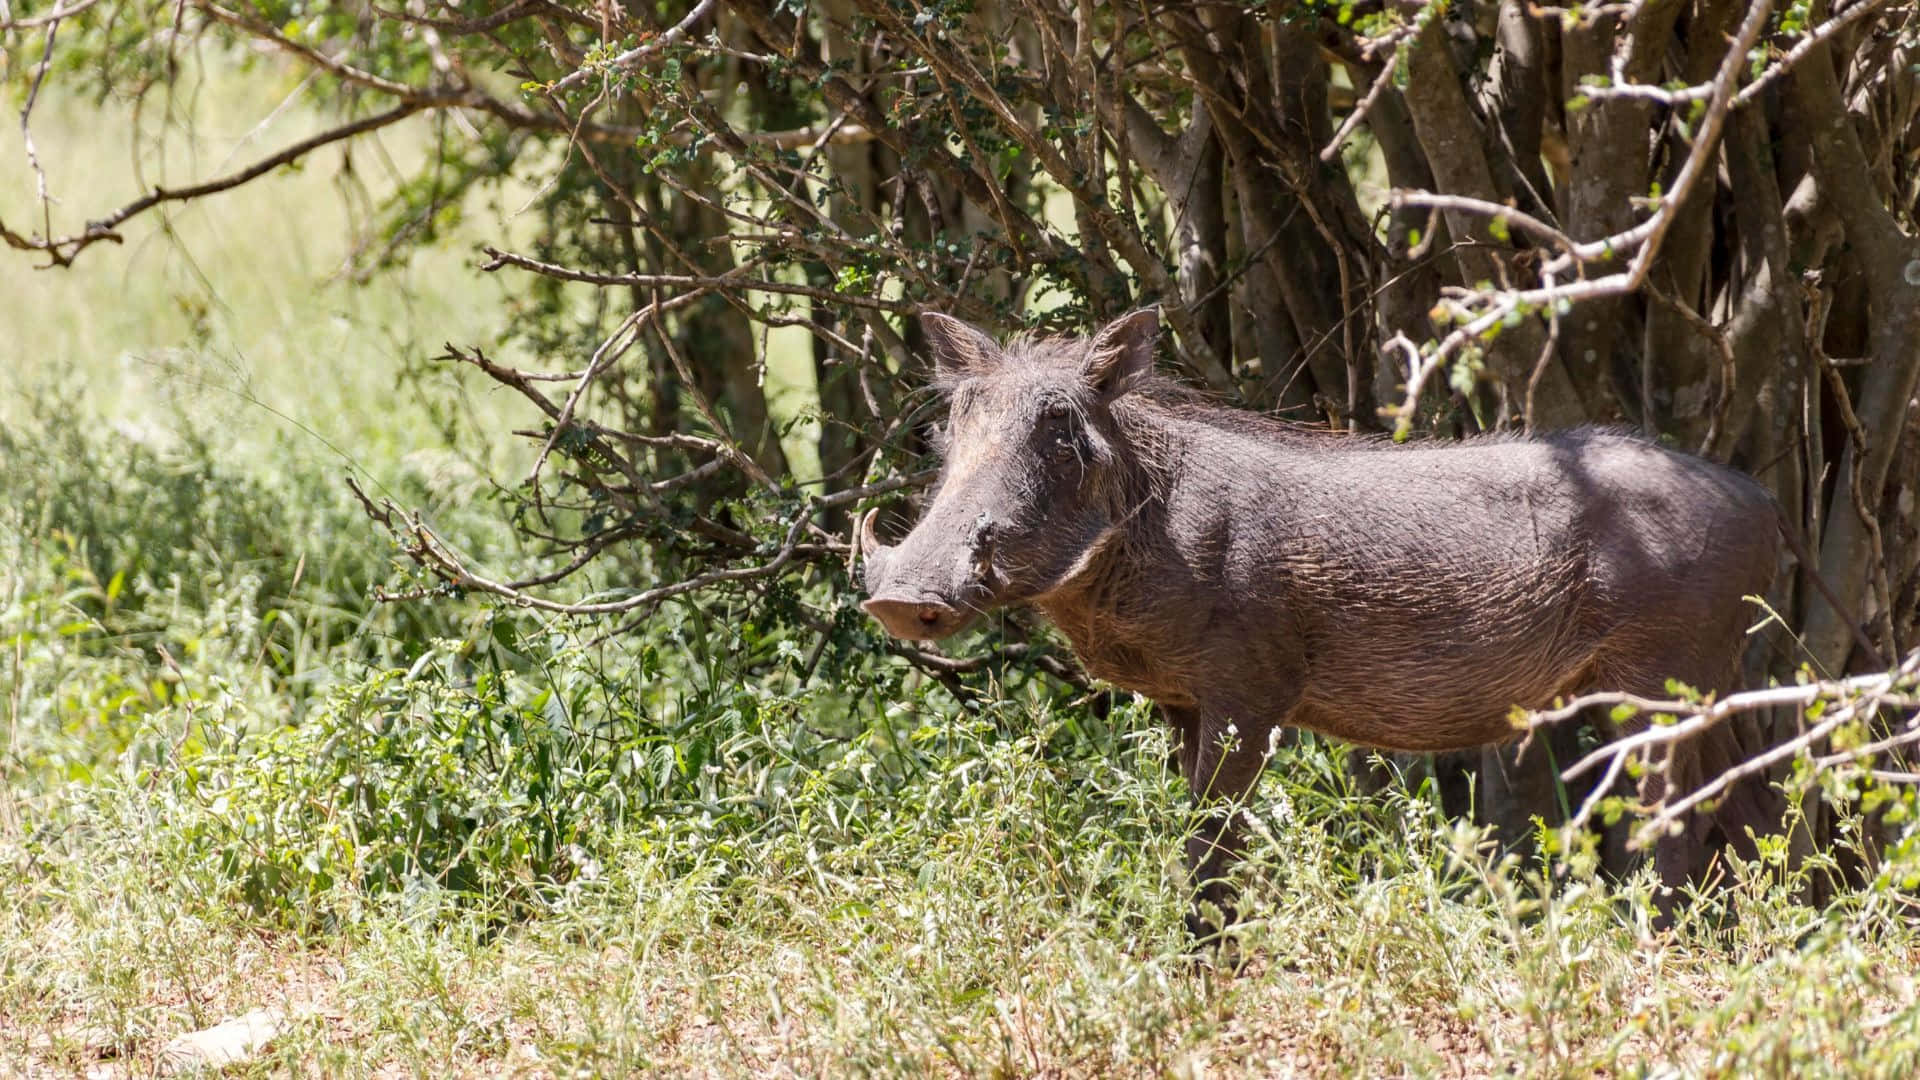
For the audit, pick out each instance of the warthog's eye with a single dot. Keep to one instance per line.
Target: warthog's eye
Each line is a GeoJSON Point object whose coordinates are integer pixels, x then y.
{"type": "Point", "coordinates": [1056, 432]}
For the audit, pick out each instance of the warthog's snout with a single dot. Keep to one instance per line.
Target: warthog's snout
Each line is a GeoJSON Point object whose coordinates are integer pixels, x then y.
{"type": "Point", "coordinates": [925, 598]}
{"type": "Point", "coordinates": [916, 618]}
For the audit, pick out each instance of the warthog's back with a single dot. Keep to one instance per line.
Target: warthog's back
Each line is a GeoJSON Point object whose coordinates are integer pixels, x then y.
{"type": "Point", "coordinates": [1410, 596]}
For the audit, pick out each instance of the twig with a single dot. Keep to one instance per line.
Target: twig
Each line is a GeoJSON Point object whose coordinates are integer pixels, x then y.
{"type": "Point", "coordinates": [1499, 212]}
{"type": "Point", "coordinates": [1126, 242]}
{"type": "Point", "coordinates": [1365, 104]}
{"type": "Point", "coordinates": [426, 548]}
{"type": "Point", "coordinates": [1644, 239]}
{"type": "Point", "coordinates": [479, 25]}
{"type": "Point", "coordinates": [1752, 91]}
{"type": "Point", "coordinates": [1700, 160]}
{"type": "Point", "coordinates": [1012, 651]}
{"type": "Point", "coordinates": [422, 545]}
{"type": "Point", "coordinates": [46, 18]}
{"type": "Point", "coordinates": [610, 350]}
{"type": "Point", "coordinates": [1855, 697]}
{"type": "Point", "coordinates": [1547, 350]}
{"type": "Point", "coordinates": [732, 281]}
{"type": "Point", "coordinates": [633, 56]}
{"type": "Point", "coordinates": [1673, 810]}
{"type": "Point", "coordinates": [740, 457]}
{"type": "Point", "coordinates": [1805, 45]}
{"type": "Point", "coordinates": [597, 436]}
{"type": "Point", "coordinates": [461, 96]}
{"type": "Point", "coordinates": [26, 128]}
{"type": "Point", "coordinates": [1418, 368]}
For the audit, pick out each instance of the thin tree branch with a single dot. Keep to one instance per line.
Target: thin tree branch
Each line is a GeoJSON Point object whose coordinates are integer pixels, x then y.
{"type": "Point", "coordinates": [1379, 85]}
{"type": "Point", "coordinates": [63, 250]}
{"type": "Point", "coordinates": [46, 18]}
{"type": "Point", "coordinates": [632, 57]}
{"type": "Point", "coordinates": [1643, 239]}
{"type": "Point", "coordinates": [1749, 94]}
{"type": "Point", "coordinates": [733, 281]}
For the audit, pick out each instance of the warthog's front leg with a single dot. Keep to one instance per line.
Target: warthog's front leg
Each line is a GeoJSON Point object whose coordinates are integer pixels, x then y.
{"type": "Point", "coordinates": [1221, 762]}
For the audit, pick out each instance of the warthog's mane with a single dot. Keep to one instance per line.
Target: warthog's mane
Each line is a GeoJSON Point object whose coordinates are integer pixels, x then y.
{"type": "Point", "coordinates": [1154, 391]}
{"type": "Point", "coordinates": [1154, 404]}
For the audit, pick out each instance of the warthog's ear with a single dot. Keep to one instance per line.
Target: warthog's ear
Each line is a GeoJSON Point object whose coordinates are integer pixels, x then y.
{"type": "Point", "coordinates": [959, 350]}
{"type": "Point", "coordinates": [1122, 352]}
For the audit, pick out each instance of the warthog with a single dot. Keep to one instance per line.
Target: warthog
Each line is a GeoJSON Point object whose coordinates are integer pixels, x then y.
{"type": "Point", "coordinates": [1246, 574]}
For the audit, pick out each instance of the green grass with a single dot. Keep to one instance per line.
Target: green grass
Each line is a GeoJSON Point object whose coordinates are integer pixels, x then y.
{"type": "Point", "coordinates": [451, 840]}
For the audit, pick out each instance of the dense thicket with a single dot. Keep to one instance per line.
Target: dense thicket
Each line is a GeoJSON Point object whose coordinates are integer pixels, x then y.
{"type": "Point", "coordinates": [1695, 219]}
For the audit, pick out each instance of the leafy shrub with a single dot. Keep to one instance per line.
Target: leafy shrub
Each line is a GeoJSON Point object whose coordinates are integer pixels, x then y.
{"type": "Point", "coordinates": [499, 766]}
{"type": "Point", "coordinates": [148, 528]}
{"type": "Point", "coordinates": [146, 569]}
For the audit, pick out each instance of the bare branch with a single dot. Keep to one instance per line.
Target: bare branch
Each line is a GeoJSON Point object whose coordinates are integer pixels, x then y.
{"type": "Point", "coordinates": [445, 97]}
{"type": "Point", "coordinates": [616, 344]}
{"type": "Point", "coordinates": [1644, 239]}
{"type": "Point", "coordinates": [734, 281]}
{"type": "Point", "coordinates": [427, 549]}
{"type": "Point", "coordinates": [1499, 212]}
{"type": "Point", "coordinates": [62, 250]}
{"type": "Point", "coordinates": [46, 18]}
{"type": "Point", "coordinates": [26, 128]}
{"type": "Point", "coordinates": [1775, 70]}
{"type": "Point", "coordinates": [739, 457]}
{"type": "Point", "coordinates": [1379, 85]}
{"type": "Point", "coordinates": [512, 12]}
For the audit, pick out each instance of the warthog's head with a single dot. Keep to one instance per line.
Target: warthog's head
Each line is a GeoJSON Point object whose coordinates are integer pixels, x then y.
{"type": "Point", "coordinates": [1032, 483]}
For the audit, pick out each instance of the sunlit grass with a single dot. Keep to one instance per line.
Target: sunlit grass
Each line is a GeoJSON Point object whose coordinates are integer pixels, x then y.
{"type": "Point", "coordinates": [235, 313]}
{"type": "Point", "coordinates": [229, 314]}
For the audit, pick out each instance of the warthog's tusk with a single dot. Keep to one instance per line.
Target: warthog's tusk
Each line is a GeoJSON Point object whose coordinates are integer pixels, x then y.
{"type": "Point", "coordinates": [982, 544]}
{"type": "Point", "coordinates": [870, 546]}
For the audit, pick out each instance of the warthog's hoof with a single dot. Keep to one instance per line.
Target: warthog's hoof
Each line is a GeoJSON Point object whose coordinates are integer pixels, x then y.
{"type": "Point", "coordinates": [1212, 944]}
{"type": "Point", "coordinates": [1209, 922]}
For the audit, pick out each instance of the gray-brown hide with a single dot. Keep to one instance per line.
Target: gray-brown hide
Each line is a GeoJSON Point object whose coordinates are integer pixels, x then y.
{"type": "Point", "coordinates": [1245, 574]}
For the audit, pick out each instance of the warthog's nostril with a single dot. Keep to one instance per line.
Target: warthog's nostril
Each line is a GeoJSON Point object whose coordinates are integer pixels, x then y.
{"type": "Point", "coordinates": [929, 616]}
